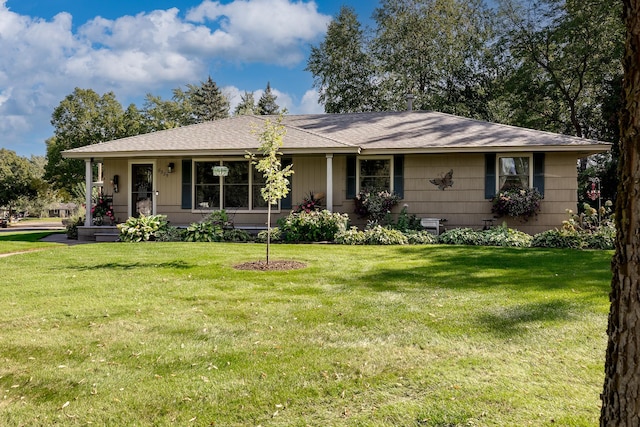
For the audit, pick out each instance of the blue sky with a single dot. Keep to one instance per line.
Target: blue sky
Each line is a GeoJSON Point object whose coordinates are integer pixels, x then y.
{"type": "Point", "coordinates": [135, 47]}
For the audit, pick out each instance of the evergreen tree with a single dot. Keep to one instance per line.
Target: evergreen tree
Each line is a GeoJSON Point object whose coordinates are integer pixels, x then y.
{"type": "Point", "coordinates": [267, 103]}
{"type": "Point", "coordinates": [247, 105]}
{"type": "Point", "coordinates": [207, 101]}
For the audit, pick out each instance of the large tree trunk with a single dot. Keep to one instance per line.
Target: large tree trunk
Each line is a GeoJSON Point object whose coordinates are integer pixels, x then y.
{"type": "Point", "coordinates": [621, 395]}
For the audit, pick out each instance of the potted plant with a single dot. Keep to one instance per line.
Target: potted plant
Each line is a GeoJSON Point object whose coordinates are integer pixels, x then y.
{"type": "Point", "coordinates": [522, 203]}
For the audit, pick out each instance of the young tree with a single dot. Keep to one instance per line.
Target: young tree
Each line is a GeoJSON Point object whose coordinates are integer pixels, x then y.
{"type": "Point", "coordinates": [621, 394]}
{"type": "Point", "coordinates": [276, 184]}
{"type": "Point", "coordinates": [247, 105]}
{"type": "Point", "coordinates": [342, 68]}
{"type": "Point", "coordinates": [267, 103]}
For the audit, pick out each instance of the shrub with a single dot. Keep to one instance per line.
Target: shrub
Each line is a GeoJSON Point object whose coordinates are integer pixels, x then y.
{"type": "Point", "coordinates": [312, 226]}
{"type": "Point", "coordinates": [504, 236]}
{"type": "Point", "coordinates": [558, 239]}
{"type": "Point", "coordinates": [379, 235]}
{"type": "Point", "coordinates": [210, 229]}
{"type": "Point", "coordinates": [71, 225]}
{"type": "Point", "coordinates": [421, 237]}
{"type": "Point", "coordinates": [236, 235]}
{"type": "Point", "coordinates": [352, 236]}
{"type": "Point", "coordinates": [171, 234]}
{"type": "Point", "coordinates": [375, 204]}
{"type": "Point", "coordinates": [522, 203]}
{"type": "Point", "coordinates": [407, 222]}
{"type": "Point", "coordinates": [276, 235]}
{"type": "Point", "coordinates": [203, 232]}
{"type": "Point", "coordinates": [143, 228]}
{"type": "Point", "coordinates": [461, 236]}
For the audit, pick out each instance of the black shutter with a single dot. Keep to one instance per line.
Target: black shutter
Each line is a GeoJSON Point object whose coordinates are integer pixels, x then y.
{"type": "Point", "coordinates": [186, 184]}
{"type": "Point", "coordinates": [351, 177]}
{"type": "Point", "coordinates": [489, 175]}
{"type": "Point", "coordinates": [286, 202]}
{"type": "Point", "coordinates": [538, 172]}
{"type": "Point", "coordinates": [398, 175]}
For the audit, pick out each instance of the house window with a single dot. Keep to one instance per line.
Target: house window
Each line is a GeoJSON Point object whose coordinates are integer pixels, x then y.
{"type": "Point", "coordinates": [514, 172]}
{"type": "Point", "coordinates": [238, 190]}
{"type": "Point", "coordinates": [375, 173]}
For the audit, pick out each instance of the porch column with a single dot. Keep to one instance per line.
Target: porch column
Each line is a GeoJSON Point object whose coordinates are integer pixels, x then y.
{"type": "Point", "coordinates": [88, 176]}
{"type": "Point", "coordinates": [329, 182]}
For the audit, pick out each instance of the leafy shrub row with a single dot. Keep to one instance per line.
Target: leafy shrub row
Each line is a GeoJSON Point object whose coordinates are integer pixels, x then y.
{"type": "Point", "coordinates": [579, 232]}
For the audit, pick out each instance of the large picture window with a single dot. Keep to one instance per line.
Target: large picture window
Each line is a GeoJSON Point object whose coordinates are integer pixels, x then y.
{"type": "Point", "coordinates": [238, 190]}
{"type": "Point", "coordinates": [375, 173]}
{"type": "Point", "coordinates": [514, 172]}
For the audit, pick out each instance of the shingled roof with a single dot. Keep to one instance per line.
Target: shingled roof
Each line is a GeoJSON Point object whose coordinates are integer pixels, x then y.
{"type": "Point", "coordinates": [365, 133]}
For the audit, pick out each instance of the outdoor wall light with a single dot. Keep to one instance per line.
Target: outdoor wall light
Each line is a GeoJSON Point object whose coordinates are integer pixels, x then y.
{"type": "Point", "coordinates": [170, 167]}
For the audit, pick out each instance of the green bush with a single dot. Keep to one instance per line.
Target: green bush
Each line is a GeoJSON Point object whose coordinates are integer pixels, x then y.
{"type": "Point", "coordinates": [203, 232]}
{"type": "Point", "coordinates": [210, 229]}
{"type": "Point", "coordinates": [352, 236]}
{"type": "Point", "coordinates": [504, 236]}
{"type": "Point", "coordinates": [461, 236]}
{"type": "Point", "coordinates": [379, 235]}
{"type": "Point", "coordinates": [421, 237]}
{"type": "Point", "coordinates": [558, 239]}
{"type": "Point", "coordinates": [171, 234]}
{"type": "Point", "coordinates": [143, 228]}
{"type": "Point", "coordinates": [71, 225]}
{"type": "Point", "coordinates": [313, 226]}
{"type": "Point", "coordinates": [407, 222]}
{"type": "Point", "coordinates": [236, 235]}
{"type": "Point", "coordinates": [276, 235]}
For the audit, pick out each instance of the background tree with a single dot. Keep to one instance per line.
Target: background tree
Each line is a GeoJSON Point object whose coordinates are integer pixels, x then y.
{"type": "Point", "coordinates": [159, 114]}
{"type": "Point", "coordinates": [435, 50]}
{"type": "Point", "coordinates": [17, 178]}
{"type": "Point", "coordinates": [342, 67]}
{"type": "Point", "coordinates": [247, 105]}
{"type": "Point", "coordinates": [276, 184]}
{"type": "Point", "coordinates": [267, 103]}
{"type": "Point", "coordinates": [207, 101]}
{"type": "Point", "coordinates": [620, 397]}
{"type": "Point", "coordinates": [82, 118]}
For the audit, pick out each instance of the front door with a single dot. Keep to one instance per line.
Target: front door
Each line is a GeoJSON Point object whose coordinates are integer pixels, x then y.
{"type": "Point", "coordinates": [142, 189]}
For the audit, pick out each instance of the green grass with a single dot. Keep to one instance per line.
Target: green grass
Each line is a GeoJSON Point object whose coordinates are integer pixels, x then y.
{"type": "Point", "coordinates": [19, 241]}
{"type": "Point", "coordinates": [170, 334]}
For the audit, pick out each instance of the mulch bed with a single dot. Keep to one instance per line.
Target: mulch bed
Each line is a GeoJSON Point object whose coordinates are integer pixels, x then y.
{"type": "Point", "coordinates": [279, 265]}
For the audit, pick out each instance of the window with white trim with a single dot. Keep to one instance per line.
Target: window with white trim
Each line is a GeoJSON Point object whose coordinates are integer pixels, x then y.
{"type": "Point", "coordinates": [238, 190]}
{"type": "Point", "coordinates": [375, 173]}
{"type": "Point", "coordinates": [514, 171]}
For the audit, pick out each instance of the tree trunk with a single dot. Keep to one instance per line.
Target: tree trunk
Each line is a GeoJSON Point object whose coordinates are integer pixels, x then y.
{"type": "Point", "coordinates": [621, 394]}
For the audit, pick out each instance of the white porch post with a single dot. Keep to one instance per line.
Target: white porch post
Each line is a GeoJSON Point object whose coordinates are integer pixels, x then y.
{"type": "Point", "coordinates": [88, 176]}
{"type": "Point", "coordinates": [330, 182]}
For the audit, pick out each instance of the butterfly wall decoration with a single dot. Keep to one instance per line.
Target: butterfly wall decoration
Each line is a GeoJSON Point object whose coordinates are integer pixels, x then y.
{"type": "Point", "coordinates": [444, 181]}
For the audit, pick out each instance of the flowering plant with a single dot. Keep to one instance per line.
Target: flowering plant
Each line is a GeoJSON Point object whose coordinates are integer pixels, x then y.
{"type": "Point", "coordinates": [103, 209]}
{"type": "Point", "coordinates": [375, 204]}
{"type": "Point", "coordinates": [520, 203]}
{"type": "Point", "coordinates": [311, 203]}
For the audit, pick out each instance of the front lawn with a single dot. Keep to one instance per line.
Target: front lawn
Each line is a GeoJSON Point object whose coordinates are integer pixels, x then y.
{"type": "Point", "coordinates": [171, 334]}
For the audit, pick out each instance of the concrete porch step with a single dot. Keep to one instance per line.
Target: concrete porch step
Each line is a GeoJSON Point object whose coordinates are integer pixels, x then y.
{"type": "Point", "coordinates": [106, 237]}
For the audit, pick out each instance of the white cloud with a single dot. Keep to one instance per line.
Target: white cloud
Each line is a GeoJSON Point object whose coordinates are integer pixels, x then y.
{"type": "Point", "coordinates": [43, 60]}
{"type": "Point", "coordinates": [261, 30]}
{"type": "Point", "coordinates": [310, 104]}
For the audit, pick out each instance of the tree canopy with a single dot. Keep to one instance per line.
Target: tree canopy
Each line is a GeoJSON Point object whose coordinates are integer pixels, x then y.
{"type": "Point", "coordinates": [17, 178]}
{"type": "Point", "coordinates": [267, 103]}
